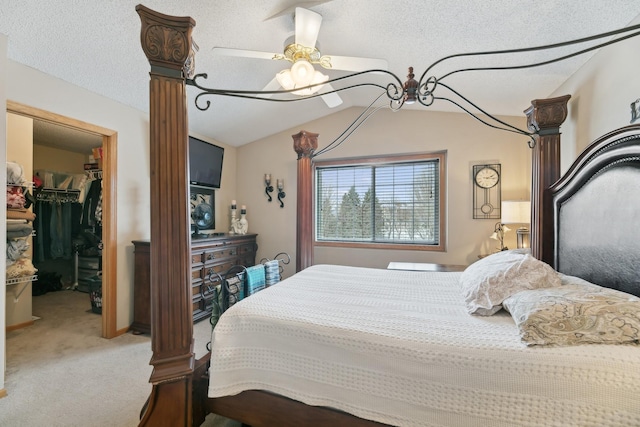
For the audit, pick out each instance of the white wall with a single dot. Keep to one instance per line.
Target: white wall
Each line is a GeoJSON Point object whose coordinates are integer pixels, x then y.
{"type": "Point", "coordinates": [467, 143]}
{"type": "Point", "coordinates": [58, 160]}
{"type": "Point", "coordinates": [3, 202]}
{"type": "Point", "coordinates": [36, 89]}
{"type": "Point", "coordinates": [601, 94]}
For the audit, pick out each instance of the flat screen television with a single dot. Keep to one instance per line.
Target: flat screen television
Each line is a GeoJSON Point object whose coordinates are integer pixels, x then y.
{"type": "Point", "coordinates": [205, 163]}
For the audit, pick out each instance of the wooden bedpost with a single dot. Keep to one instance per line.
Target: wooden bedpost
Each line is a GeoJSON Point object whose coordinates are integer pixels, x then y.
{"type": "Point", "coordinates": [304, 143]}
{"type": "Point", "coordinates": [544, 117]}
{"type": "Point", "coordinates": [167, 43]}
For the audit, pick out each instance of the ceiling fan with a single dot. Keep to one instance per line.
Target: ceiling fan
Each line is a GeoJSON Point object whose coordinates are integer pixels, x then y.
{"type": "Point", "coordinates": [303, 53]}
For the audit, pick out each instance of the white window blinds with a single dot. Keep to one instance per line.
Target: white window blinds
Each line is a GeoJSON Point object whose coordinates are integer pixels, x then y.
{"type": "Point", "coordinates": [381, 203]}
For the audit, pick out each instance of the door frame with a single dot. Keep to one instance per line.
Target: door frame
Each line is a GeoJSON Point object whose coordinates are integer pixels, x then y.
{"type": "Point", "coordinates": [109, 219]}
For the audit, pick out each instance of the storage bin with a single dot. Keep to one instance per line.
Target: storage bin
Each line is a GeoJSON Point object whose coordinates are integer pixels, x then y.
{"type": "Point", "coordinates": [90, 262]}
{"type": "Point", "coordinates": [95, 294]}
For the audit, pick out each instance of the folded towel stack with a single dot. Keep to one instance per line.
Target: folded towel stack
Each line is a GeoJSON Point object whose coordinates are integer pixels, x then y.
{"type": "Point", "coordinates": [18, 229]}
{"type": "Point", "coordinates": [255, 279]}
{"type": "Point", "coordinates": [271, 272]}
{"type": "Point", "coordinates": [20, 214]}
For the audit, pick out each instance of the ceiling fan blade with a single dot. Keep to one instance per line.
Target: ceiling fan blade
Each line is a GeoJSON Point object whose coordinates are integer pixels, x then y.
{"type": "Point", "coordinates": [292, 9]}
{"type": "Point", "coordinates": [272, 85]}
{"type": "Point", "coordinates": [331, 99]}
{"type": "Point", "coordinates": [352, 63]}
{"type": "Point", "coordinates": [307, 27]}
{"type": "Point", "coordinates": [243, 53]}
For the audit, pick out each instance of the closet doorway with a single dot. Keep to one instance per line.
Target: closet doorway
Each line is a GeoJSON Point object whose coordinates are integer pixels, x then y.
{"type": "Point", "coordinates": [109, 181]}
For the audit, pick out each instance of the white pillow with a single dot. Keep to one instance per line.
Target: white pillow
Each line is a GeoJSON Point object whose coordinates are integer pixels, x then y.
{"type": "Point", "coordinates": [489, 281]}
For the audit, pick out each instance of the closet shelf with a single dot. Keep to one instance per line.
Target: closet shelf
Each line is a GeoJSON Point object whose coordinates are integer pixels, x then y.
{"type": "Point", "coordinates": [24, 280]}
{"type": "Point", "coordinates": [16, 280]}
{"type": "Point", "coordinates": [24, 184]}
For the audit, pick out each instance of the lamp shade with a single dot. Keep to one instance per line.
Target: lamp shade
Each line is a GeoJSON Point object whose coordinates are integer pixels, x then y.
{"type": "Point", "coordinates": [285, 78]}
{"type": "Point", "coordinates": [302, 73]}
{"type": "Point", "coordinates": [516, 212]}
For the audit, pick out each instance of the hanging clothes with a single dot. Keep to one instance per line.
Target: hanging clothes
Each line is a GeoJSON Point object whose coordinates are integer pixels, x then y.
{"type": "Point", "coordinates": [92, 199]}
{"type": "Point", "coordinates": [58, 216]}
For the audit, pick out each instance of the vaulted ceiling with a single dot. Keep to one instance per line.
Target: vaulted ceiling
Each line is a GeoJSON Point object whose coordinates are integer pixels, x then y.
{"type": "Point", "coordinates": [95, 45]}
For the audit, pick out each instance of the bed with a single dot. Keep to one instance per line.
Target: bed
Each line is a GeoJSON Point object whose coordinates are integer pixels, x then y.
{"type": "Point", "coordinates": [400, 348]}
{"type": "Point", "coordinates": [476, 369]}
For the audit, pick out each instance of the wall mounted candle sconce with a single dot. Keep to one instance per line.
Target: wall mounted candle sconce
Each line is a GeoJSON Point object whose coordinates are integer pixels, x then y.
{"type": "Point", "coordinates": [268, 187]}
{"type": "Point", "coordinates": [281, 194]}
{"type": "Point", "coordinates": [635, 110]}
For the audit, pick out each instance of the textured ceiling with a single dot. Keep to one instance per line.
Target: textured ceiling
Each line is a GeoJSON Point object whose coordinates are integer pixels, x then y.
{"type": "Point", "coordinates": [95, 44]}
{"type": "Point", "coordinates": [65, 138]}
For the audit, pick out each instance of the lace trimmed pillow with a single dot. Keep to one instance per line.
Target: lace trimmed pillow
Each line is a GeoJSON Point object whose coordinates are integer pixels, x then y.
{"type": "Point", "coordinates": [487, 282]}
{"type": "Point", "coordinates": [579, 312]}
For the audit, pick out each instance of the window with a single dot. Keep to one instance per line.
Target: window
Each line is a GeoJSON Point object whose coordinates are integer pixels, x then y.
{"type": "Point", "coordinates": [385, 202]}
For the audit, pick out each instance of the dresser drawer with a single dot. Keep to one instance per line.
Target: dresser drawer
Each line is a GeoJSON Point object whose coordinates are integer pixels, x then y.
{"type": "Point", "coordinates": [220, 269]}
{"type": "Point", "coordinates": [219, 254]}
{"type": "Point", "coordinates": [200, 274]}
{"type": "Point", "coordinates": [246, 249]}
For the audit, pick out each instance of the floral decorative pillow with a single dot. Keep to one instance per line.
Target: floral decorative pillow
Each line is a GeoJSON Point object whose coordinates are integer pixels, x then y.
{"type": "Point", "coordinates": [487, 282]}
{"type": "Point", "coordinates": [578, 312]}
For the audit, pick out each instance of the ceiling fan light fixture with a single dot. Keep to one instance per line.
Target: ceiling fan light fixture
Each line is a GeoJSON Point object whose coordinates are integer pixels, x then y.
{"type": "Point", "coordinates": [318, 77]}
{"type": "Point", "coordinates": [285, 79]}
{"type": "Point", "coordinates": [302, 72]}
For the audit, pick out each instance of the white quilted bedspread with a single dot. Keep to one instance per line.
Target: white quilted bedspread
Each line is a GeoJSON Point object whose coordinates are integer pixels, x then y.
{"type": "Point", "coordinates": [398, 347]}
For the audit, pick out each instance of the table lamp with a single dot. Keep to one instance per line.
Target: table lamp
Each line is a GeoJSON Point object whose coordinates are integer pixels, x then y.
{"type": "Point", "coordinates": [517, 212]}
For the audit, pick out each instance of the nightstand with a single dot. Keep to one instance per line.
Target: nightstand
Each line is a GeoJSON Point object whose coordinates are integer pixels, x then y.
{"type": "Point", "coordinates": [422, 266]}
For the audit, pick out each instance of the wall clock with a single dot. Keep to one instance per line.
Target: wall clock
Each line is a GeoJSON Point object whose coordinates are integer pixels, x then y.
{"type": "Point", "coordinates": [486, 191]}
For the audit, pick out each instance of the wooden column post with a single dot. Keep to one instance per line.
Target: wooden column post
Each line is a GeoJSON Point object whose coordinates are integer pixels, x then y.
{"type": "Point", "coordinates": [167, 43]}
{"type": "Point", "coordinates": [304, 143]}
{"type": "Point", "coordinates": [544, 117]}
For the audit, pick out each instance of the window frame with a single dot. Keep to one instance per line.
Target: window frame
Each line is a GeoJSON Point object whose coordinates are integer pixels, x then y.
{"type": "Point", "coordinates": [441, 156]}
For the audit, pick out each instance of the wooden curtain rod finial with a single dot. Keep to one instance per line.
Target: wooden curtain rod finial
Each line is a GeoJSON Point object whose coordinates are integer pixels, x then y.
{"type": "Point", "coordinates": [410, 88]}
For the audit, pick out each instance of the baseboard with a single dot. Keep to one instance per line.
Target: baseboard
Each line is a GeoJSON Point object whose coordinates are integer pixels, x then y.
{"type": "Point", "coordinates": [19, 325]}
{"type": "Point", "coordinates": [122, 331]}
{"type": "Point", "coordinates": [3, 392]}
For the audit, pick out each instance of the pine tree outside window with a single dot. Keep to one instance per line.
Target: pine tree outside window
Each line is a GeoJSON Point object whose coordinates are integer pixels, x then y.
{"type": "Point", "coordinates": [382, 202]}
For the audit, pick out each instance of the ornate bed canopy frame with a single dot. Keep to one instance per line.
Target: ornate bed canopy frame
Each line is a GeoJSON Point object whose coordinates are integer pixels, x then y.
{"type": "Point", "coordinates": [179, 387]}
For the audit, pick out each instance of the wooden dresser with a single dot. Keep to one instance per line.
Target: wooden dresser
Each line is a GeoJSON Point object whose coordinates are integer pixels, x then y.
{"type": "Point", "coordinates": [210, 254]}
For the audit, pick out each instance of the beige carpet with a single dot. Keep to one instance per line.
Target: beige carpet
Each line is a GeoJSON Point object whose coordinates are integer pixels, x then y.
{"type": "Point", "coordinates": [60, 372]}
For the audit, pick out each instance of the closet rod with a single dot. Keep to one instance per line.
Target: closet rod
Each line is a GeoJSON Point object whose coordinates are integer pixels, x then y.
{"type": "Point", "coordinates": [94, 173]}
{"type": "Point", "coordinates": [57, 194]}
